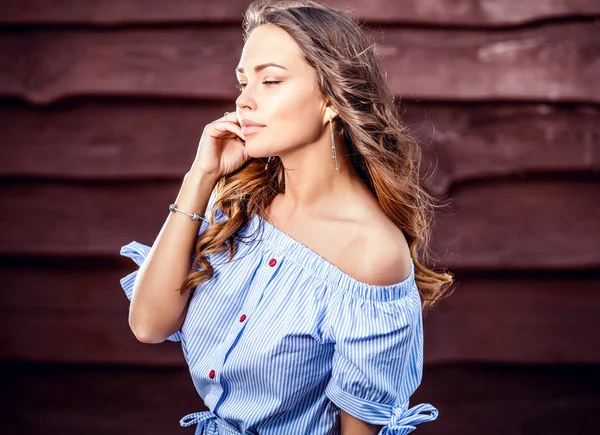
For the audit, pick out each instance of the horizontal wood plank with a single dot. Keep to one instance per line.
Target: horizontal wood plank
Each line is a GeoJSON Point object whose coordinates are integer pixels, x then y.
{"type": "Point", "coordinates": [86, 336]}
{"type": "Point", "coordinates": [79, 315]}
{"type": "Point", "coordinates": [553, 62]}
{"type": "Point", "coordinates": [527, 224]}
{"type": "Point", "coordinates": [149, 139]}
{"type": "Point", "coordinates": [465, 143]}
{"type": "Point", "coordinates": [440, 12]}
{"type": "Point", "coordinates": [545, 224]}
{"type": "Point", "coordinates": [69, 399]}
{"type": "Point", "coordinates": [71, 312]}
{"type": "Point", "coordinates": [509, 399]}
{"type": "Point", "coordinates": [526, 318]}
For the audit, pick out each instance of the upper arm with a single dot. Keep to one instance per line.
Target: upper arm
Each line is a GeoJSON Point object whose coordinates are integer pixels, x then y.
{"type": "Point", "coordinates": [138, 252]}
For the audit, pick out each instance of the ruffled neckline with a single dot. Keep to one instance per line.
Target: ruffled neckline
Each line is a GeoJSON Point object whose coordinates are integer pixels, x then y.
{"type": "Point", "coordinates": [284, 244]}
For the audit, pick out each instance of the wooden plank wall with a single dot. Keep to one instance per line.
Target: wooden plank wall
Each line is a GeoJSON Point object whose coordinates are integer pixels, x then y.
{"type": "Point", "coordinates": [101, 107]}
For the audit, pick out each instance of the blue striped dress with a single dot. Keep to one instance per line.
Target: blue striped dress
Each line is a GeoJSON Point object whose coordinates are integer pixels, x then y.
{"type": "Point", "coordinates": [280, 340]}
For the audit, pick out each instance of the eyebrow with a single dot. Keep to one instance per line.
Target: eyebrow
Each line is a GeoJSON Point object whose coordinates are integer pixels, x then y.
{"type": "Point", "coordinates": [262, 66]}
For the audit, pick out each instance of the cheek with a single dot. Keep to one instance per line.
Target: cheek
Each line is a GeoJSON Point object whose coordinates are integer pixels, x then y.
{"type": "Point", "coordinates": [296, 124]}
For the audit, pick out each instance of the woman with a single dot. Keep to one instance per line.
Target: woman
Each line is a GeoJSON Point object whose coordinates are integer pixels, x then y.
{"type": "Point", "coordinates": [302, 311]}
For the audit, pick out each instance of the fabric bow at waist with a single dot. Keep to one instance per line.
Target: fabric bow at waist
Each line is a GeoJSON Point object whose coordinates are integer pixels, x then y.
{"type": "Point", "coordinates": [205, 420]}
{"type": "Point", "coordinates": [208, 424]}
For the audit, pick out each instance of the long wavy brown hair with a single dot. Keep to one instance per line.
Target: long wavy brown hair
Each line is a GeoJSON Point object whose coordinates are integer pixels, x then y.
{"type": "Point", "coordinates": [368, 129]}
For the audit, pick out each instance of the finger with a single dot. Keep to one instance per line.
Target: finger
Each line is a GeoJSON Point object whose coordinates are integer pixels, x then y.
{"type": "Point", "coordinates": [229, 116]}
{"type": "Point", "coordinates": [232, 117]}
{"type": "Point", "coordinates": [229, 126]}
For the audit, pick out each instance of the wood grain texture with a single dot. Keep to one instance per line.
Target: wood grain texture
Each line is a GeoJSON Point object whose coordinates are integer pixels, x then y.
{"type": "Point", "coordinates": [526, 224]}
{"type": "Point", "coordinates": [524, 318]}
{"type": "Point", "coordinates": [510, 399]}
{"type": "Point", "coordinates": [545, 224]}
{"type": "Point", "coordinates": [149, 139]}
{"type": "Point", "coordinates": [478, 142]}
{"type": "Point", "coordinates": [71, 400]}
{"type": "Point", "coordinates": [73, 311]}
{"type": "Point", "coordinates": [440, 12]}
{"type": "Point", "coordinates": [79, 315]}
{"type": "Point", "coordinates": [84, 336]}
{"type": "Point", "coordinates": [553, 62]}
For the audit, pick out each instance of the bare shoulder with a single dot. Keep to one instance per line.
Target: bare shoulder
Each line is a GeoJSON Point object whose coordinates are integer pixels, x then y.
{"type": "Point", "coordinates": [385, 257]}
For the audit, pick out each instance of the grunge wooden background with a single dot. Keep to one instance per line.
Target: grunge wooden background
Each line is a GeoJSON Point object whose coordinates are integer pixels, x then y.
{"type": "Point", "coordinates": [102, 104]}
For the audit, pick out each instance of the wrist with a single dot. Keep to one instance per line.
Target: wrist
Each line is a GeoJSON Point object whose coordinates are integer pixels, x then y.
{"type": "Point", "coordinates": [201, 177]}
{"type": "Point", "coordinates": [195, 191]}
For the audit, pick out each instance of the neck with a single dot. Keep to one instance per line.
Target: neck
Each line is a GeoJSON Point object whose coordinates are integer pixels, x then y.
{"type": "Point", "coordinates": [311, 182]}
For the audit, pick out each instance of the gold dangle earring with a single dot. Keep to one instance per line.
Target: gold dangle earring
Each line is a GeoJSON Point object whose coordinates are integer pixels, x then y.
{"type": "Point", "coordinates": [333, 154]}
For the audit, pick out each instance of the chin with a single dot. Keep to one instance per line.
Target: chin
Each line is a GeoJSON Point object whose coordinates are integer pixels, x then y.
{"type": "Point", "coordinates": [256, 152]}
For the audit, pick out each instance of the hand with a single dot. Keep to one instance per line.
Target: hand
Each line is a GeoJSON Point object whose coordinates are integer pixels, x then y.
{"type": "Point", "coordinates": [222, 147]}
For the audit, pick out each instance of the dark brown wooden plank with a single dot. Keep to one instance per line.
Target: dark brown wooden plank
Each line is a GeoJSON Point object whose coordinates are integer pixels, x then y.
{"type": "Point", "coordinates": [42, 66]}
{"type": "Point", "coordinates": [56, 399]}
{"type": "Point", "coordinates": [86, 336]}
{"type": "Point", "coordinates": [527, 224]}
{"type": "Point", "coordinates": [82, 219]}
{"type": "Point", "coordinates": [443, 12]}
{"type": "Point", "coordinates": [545, 224]}
{"type": "Point", "coordinates": [69, 285]}
{"type": "Point", "coordinates": [525, 318]}
{"type": "Point", "coordinates": [463, 143]}
{"type": "Point", "coordinates": [88, 140]}
{"type": "Point", "coordinates": [131, 139]}
{"type": "Point", "coordinates": [73, 311]}
{"type": "Point", "coordinates": [498, 400]}
{"type": "Point", "coordinates": [78, 314]}
{"type": "Point", "coordinates": [71, 400]}
{"type": "Point", "coordinates": [69, 311]}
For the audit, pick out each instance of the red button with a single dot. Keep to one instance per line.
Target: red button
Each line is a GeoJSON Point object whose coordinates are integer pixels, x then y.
{"type": "Point", "coordinates": [243, 318]}
{"type": "Point", "coordinates": [211, 374]}
{"type": "Point", "coordinates": [272, 262]}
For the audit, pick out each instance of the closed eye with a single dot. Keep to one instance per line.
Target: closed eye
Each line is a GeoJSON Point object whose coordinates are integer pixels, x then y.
{"type": "Point", "coordinates": [240, 86]}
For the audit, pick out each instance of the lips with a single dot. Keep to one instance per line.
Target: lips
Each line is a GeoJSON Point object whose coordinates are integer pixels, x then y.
{"type": "Point", "coordinates": [249, 126]}
{"type": "Point", "coordinates": [249, 129]}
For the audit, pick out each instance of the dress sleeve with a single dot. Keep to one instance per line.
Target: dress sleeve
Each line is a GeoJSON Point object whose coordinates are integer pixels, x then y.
{"type": "Point", "coordinates": [378, 361]}
{"type": "Point", "coordinates": [138, 253]}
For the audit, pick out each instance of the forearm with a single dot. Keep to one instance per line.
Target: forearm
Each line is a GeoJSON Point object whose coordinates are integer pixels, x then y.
{"type": "Point", "coordinates": [157, 308]}
{"type": "Point", "coordinates": [353, 426]}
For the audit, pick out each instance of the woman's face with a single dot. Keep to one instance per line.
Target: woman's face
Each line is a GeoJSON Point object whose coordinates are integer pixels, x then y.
{"type": "Point", "coordinates": [293, 109]}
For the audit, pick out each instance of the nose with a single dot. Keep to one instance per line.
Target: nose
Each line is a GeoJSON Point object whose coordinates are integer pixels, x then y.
{"type": "Point", "coordinates": [244, 101]}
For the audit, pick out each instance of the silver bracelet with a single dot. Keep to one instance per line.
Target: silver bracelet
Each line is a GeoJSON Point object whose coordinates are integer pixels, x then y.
{"type": "Point", "coordinates": [195, 216]}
